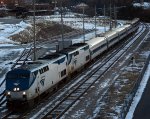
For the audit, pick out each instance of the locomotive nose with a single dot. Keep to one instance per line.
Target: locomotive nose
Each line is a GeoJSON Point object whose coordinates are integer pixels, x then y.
{"type": "Point", "coordinates": [17, 84]}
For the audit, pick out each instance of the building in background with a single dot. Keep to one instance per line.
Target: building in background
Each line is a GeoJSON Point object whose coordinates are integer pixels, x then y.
{"type": "Point", "coordinates": [11, 3]}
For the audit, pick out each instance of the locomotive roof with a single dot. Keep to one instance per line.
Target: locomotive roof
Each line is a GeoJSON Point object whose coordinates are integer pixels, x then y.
{"type": "Point", "coordinates": [109, 34]}
{"type": "Point", "coordinates": [115, 31]}
{"type": "Point", "coordinates": [95, 41]}
{"type": "Point", "coordinates": [31, 65]}
{"type": "Point", "coordinates": [50, 56]}
{"type": "Point", "coordinates": [73, 47]}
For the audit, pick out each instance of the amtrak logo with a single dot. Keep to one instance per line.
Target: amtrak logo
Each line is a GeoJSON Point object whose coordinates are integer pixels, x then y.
{"type": "Point", "coordinates": [42, 82]}
{"type": "Point", "coordinates": [17, 83]}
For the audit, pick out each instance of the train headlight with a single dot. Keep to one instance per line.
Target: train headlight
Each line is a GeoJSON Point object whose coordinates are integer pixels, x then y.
{"type": "Point", "coordinates": [15, 89]}
{"type": "Point", "coordinates": [24, 93]}
{"type": "Point", "coordinates": [18, 89]}
{"type": "Point", "coordinates": [8, 93]}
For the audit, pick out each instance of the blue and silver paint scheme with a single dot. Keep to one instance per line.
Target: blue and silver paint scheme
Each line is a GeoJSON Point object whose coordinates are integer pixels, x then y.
{"type": "Point", "coordinates": [18, 81]}
{"type": "Point", "coordinates": [23, 84]}
{"type": "Point", "coordinates": [77, 58]}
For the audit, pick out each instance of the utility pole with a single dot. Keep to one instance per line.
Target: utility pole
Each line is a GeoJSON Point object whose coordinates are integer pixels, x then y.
{"type": "Point", "coordinates": [83, 25]}
{"type": "Point", "coordinates": [142, 2]}
{"type": "Point", "coordinates": [62, 25]}
{"type": "Point", "coordinates": [115, 15]}
{"type": "Point", "coordinates": [110, 17]}
{"type": "Point", "coordinates": [55, 2]}
{"type": "Point", "coordinates": [104, 18]}
{"type": "Point", "coordinates": [95, 20]}
{"type": "Point", "coordinates": [34, 34]}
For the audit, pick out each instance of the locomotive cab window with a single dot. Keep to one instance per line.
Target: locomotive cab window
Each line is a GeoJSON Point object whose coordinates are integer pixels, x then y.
{"type": "Point", "coordinates": [87, 58]}
{"type": "Point", "coordinates": [19, 76]}
{"type": "Point", "coordinates": [69, 58]}
{"type": "Point", "coordinates": [24, 76]}
{"type": "Point", "coordinates": [63, 73]}
{"type": "Point", "coordinates": [76, 53]}
{"type": "Point", "coordinates": [86, 47]}
{"type": "Point", "coordinates": [11, 76]}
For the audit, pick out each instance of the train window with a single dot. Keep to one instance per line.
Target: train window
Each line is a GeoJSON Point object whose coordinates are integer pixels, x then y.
{"type": "Point", "coordinates": [98, 48]}
{"type": "Point", "coordinates": [56, 62]}
{"type": "Point", "coordinates": [32, 77]}
{"type": "Point", "coordinates": [61, 60]}
{"type": "Point", "coordinates": [82, 49]}
{"type": "Point", "coordinates": [63, 73]}
{"type": "Point", "coordinates": [36, 90]}
{"type": "Point", "coordinates": [24, 76]}
{"type": "Point", "coordinates": [11, 76]}
{"type": "Point", "coordinates": [87, 58]}
{"type": "Point", "coordinates": [46, 68]}
{"type": "Point", "coordinates": [76, 53]}
{"type": "Point", "coordinates": [40, 71]}
{"type": "Point", "coordinates": [35, 73]}
{"type": "Point", "coordinates": [69, 58]}
{"type": "Point", "coordinates": [103, 45]}
{"type": "Point", "coordinates": [86, 48]}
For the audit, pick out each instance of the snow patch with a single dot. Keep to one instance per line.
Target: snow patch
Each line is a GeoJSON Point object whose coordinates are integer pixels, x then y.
{"type": "Point", "coordinates": [145, 5]}
{"type": "Point", "coordinates": [7, 30]}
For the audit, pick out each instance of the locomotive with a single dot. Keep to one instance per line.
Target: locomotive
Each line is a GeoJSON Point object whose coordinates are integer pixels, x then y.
{"type": "Point", "coordinates": [28, 82]}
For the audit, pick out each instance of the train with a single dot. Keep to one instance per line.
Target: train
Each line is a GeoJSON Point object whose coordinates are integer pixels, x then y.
{"type": "Point", "coordinates": [28, 82]}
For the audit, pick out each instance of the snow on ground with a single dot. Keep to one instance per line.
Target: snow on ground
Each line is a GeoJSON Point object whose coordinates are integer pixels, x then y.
{"type": "Point", "coordinates": [77, 23]}
{"type": "Point", "coordinates": [7, 30]}
{"type": "Point", "coordinates": [138, 94]}
{"type": "Point", "coordinates": [74, 22]}
{"type": "Point", "coordinates": [146, 5]}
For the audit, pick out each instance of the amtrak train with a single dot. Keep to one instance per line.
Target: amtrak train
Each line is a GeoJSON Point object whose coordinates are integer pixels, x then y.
{"type": "Point", "coordinates": [34, 78]}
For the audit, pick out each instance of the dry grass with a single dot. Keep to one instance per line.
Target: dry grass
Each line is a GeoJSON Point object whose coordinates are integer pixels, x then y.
{"type": "Point", "coordinates": [44, 31]}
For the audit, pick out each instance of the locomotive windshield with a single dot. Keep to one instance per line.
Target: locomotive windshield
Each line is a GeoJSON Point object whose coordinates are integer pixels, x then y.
{"type": "Point", "coordinates": [18, 74]}
{"type": "Point", "coordinates": [18, 78]}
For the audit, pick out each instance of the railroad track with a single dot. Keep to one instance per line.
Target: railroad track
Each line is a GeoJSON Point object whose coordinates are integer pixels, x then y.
{"type": "Point", "coordinates": [12, 115]}
{"type": "Point", "coordinates": [57, 107]}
